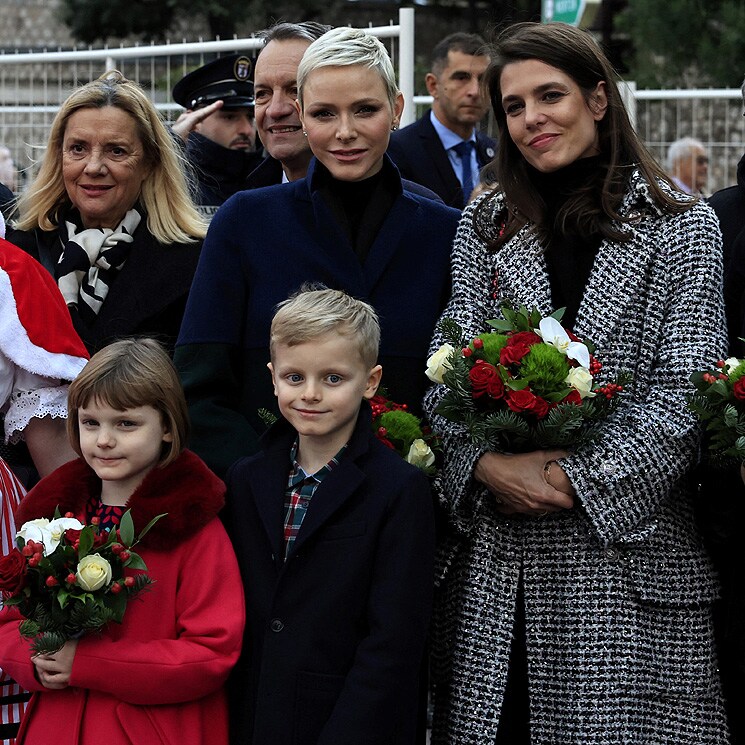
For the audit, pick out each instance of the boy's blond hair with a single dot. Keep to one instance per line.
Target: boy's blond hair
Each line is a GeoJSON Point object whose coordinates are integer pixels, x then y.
{"type": "Point", "coordinates": [314, 312]}
{"type": "Point", "coordinates": [127, 374]}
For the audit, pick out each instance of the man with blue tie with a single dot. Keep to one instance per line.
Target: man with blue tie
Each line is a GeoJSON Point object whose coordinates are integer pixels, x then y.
{"type": "Point", "coordinates": [444, 150]}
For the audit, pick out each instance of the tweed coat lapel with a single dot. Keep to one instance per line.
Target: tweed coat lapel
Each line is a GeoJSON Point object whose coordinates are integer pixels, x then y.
{"type": "Point", "coordinates": [617, 277]}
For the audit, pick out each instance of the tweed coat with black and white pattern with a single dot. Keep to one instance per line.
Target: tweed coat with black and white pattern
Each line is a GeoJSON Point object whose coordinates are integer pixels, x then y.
{"type": "Point", "coordinates": [618, 590]}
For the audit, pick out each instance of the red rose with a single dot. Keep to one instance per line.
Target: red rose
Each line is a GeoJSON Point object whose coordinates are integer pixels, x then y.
{"type": "Point", "coordinates": [482, 376]}
{"type": "Point", "coordinates": [518, 345]}
{"type": "Point", "coordinates": [12, 572]}
{"type": "Point", "coordinates": [525, 401]}
{"type": "Point", "coordinates": [573, 397]}
{"type": "Point", "coordinates": [495, 387]}
{"type": "Point", "coordinates": [739, 389]}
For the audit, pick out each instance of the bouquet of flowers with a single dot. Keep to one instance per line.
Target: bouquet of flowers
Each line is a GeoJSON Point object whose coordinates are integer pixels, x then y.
{"type": "Point", "coordinates": [68, 579]}
{"type": "Point", "coordinates": [405, 433]}
{"type": "Point", "coordinates": [530, 385]}
{"type": "Point", "coordinates": [719, 402]}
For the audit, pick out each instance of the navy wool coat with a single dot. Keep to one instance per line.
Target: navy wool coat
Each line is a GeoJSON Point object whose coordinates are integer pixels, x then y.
{"type": "Point", "coordinates": [262, 245]}
{"type": "Point", "coordinates": [334, 634]}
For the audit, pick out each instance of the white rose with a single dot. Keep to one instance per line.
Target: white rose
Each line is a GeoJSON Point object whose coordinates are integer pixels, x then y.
{"type": "Point", "coordinates": [420, 455]}
{"type": "Point", "coordinates": [58, 527]}
{"type": "Point", "coordinates": [93, 572]}
{"type": "Point", "coordinates": [438, 364]}
{"type": "Point", "coordinates": [38, 531]}
{"type": "Point", "coordinates": [580, 379]}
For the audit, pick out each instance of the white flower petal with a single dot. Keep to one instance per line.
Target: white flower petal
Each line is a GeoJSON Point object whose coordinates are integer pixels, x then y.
{"type": "Point", "coordinates": [576, 350]}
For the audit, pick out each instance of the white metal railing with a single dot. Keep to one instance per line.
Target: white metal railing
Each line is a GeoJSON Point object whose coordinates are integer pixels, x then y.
{"type": "Point", "coordinates": [33, 85]}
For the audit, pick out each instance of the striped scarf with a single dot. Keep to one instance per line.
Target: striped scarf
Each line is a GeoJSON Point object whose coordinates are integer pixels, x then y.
{"type": "Point", "coordinates": [90, 262]}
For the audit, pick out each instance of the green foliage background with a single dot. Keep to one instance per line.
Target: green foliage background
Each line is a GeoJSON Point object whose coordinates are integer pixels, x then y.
{"type": "Point", "coordinates": [685, 42]}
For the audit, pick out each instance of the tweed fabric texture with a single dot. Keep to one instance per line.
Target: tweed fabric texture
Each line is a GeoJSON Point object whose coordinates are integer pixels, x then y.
{"type": "Point", "coordinates": [618, 590]}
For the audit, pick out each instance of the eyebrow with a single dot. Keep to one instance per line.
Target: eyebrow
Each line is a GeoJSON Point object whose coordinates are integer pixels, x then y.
{"type": "Point", "coordinates": [370, 99]}
{"type": "Point", "coordinates": [539, 89]}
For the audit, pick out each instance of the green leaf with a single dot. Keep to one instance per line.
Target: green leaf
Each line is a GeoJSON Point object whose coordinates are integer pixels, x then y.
{"type": "Point", "coordinates": [135, 561]}
{"type": "Point", "coordinates": [145, 530]}
{"type": "Point", "coordinates": [86, 541]}
{"type": "Point", "coordinates": [127, 529]}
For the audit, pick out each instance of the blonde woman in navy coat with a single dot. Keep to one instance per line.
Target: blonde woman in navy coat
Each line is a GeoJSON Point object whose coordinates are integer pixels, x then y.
{"type": "Point", "coordinates": [349, 224]}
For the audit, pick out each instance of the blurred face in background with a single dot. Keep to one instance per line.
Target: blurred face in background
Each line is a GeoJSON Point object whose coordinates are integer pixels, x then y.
{"type": "Point", "coordinates": [693, 169]}
{"type": "Point", "coordinates": [231, 128]}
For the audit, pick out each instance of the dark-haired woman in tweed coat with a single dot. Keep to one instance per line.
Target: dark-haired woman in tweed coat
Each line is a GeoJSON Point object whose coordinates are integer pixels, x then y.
{"type": "Point", "coordinates": [574, 596]}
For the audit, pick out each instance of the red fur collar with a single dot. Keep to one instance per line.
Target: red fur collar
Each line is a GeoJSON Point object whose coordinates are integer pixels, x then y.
{"type": "Point", "coordinates": [186, 490]}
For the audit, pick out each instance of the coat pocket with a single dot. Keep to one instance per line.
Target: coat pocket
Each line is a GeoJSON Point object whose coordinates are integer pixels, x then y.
{"type": "Point", "coordinates": [140, 726]}
{"type": "Point", "coordinates": [315, 698]}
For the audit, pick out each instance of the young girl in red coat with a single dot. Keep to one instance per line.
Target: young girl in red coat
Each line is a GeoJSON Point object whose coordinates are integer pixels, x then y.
{"type": "Point", "coordinates": [158, 677]}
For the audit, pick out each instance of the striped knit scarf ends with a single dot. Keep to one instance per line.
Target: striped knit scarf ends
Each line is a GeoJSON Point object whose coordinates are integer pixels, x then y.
{"type": "Point", "coordinates": [90, 261]}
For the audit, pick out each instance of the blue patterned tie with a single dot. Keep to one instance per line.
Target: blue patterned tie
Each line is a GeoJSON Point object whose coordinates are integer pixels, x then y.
{"type": "Point", "coordinates": [464, 151]}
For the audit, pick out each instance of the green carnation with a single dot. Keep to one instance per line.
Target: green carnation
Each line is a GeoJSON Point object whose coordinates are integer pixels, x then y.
{"type": "Point", "coordinates": [545, 367]}
{"type": "Point", "coordinates": [493, 344]}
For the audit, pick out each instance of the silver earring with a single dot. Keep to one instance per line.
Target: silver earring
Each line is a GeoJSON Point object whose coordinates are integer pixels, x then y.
{"type": "Point", "coordinates": [394, 127]}
{"type": "Point", "coordinates": [305, 134]}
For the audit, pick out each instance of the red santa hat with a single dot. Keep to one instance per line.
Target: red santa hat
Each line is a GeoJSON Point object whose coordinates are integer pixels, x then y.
{"type": "Point", "coordinates": [36, 332]}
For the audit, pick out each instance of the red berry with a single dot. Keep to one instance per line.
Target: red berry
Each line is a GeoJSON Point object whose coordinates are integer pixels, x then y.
{"type": "Point", "coordinates": [129, 581]}
{"type": "Point", "coordinates": [33, 561]}
{"type": "Point", "coordinates": [478, 343]}
{"type": "Point", "coordinates": [720, 363]}
{"type": "Point", "coordinates": [116, 548]}
{"type": "Point", "coordinates": [124, 555]}
{"type": "Point", "coordinates": [467, 351]}
{"type": "Point", "coordinates": [69, 514]}
{"type": "Point", "coordinates": [95, 520]}
{"type": "Point", "coordinates": [382, 431]}
{"type": "Point", "coordinates": [722, 376]}
{"type": "Point", "coordinates": [116, 588]}
{"type": "Point", "coordinates": [70, 579]}
{"type": "Point", "coordinates": [38, 556]}
{"type": "Point", "coordinates": [28, 550]}
{"type": "Point", "coordinates": [51, 582]}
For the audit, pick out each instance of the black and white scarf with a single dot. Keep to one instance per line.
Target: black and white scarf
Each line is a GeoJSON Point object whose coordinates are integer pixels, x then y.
{"type": "Point", "coordinates": [90, 261]}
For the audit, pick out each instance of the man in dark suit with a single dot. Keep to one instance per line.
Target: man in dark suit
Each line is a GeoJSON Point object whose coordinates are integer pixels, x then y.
{"type": "Point", "coordinates": [443, 150]}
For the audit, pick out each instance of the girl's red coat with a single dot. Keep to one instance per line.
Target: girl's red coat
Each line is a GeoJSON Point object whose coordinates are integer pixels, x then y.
{"type": "Point", "coordinates": [158, 677]}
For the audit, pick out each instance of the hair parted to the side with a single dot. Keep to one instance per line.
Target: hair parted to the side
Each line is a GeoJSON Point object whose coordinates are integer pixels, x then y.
{"type": "Point", "coordinates": [315, 311]}
{"type": "Point", "coordinates": [127, 374]}
{"type": "Point", "coordinates": [171, 215]}
{"type": "Point", "coordinates": [594, 208]}
{"type": "Point", "coordinates": [344, 46]}
{"type": "Point", "coordinates": [305, 30]}
{"type": "Point", "coordinates": [460, 41]}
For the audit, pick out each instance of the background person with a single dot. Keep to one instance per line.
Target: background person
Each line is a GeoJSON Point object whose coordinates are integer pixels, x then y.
{"type": "Point", "coordinates": [560, 616]}
{"type": "Point", "coordinates": [349, 224]}
{"type": "Point", "coordinates": [218, 127]}
{"type": "Point", "coordinates": [688, 165]}
{"type": "Point", "coordinates": [110, 217]}
{"type": "Point", "coordinates": [444, 150]}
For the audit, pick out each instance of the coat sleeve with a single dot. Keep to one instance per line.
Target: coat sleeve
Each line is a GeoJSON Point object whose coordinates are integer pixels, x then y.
{"type": "Point", "coordinates": [208, 351]}
{"type": "Point", "coordinates": [643, 451]}
{"type": "Point", "coordinates": [380, 690]}
{"type": "Point", "coordinates": [208, 627]}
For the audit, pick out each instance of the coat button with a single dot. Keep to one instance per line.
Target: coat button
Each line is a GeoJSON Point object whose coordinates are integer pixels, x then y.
{"type": "Point", "coordinates": [276, 625]}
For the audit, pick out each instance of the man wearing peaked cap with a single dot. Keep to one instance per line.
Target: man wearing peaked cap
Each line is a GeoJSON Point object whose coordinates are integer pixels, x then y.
{"type": "Point", "coordinates": [218, 127]}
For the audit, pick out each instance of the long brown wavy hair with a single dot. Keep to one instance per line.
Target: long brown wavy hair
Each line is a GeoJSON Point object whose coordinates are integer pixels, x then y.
{"type": "Point", "coordinates": [592, 209]}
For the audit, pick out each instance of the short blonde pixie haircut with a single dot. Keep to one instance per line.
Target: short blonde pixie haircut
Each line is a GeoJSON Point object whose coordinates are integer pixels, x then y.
{"type": "Point", "coordinates": [343, 46]}
{"type": "Point", "coordinates": [312, 313]}
{"type": "Point", "coordinates": [127, 374]}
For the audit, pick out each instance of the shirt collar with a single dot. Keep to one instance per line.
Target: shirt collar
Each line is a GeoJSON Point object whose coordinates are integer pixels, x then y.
{"type": "Point", "coordinates": [448, 138]}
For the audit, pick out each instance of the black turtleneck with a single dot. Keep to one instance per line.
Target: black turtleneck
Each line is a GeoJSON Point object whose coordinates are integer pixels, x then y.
{"type": "Point", "coordinates": [570, 255]}
{"type": "Point", "coordinates": [360, 206]}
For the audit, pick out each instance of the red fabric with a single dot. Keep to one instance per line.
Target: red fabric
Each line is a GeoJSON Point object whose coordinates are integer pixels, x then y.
{"type": "Point", "coordinates": [158, 677]}
{"type": "Point", "coordinates": [52, 329]}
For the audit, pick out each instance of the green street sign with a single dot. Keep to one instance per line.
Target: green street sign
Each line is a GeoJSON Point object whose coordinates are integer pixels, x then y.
{"type": "Point", "coordinates": [574, 12]}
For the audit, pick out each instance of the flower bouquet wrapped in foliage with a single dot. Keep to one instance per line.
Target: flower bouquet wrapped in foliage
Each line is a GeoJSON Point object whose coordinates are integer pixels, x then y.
{"type": "Point", "coordinates": [530, 385]}
{"type": "Point", "coordinates": [68, 579]}
{"type": "Point", "coordinates": [719, 402]}
{"type": "Point", "coordinates": [404, 432]}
